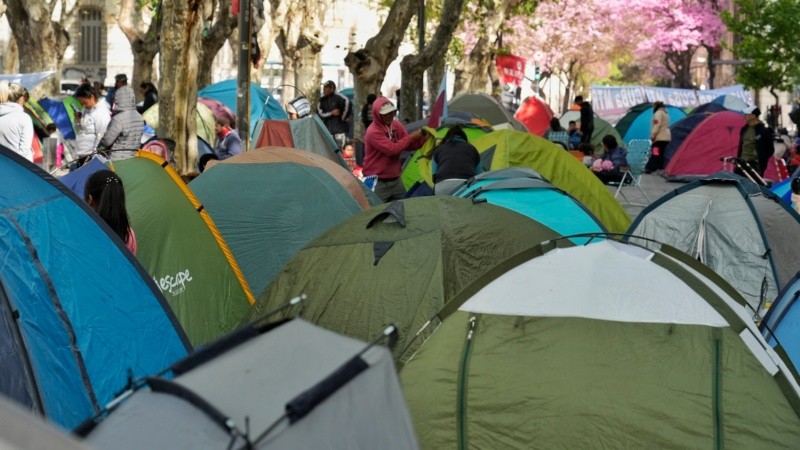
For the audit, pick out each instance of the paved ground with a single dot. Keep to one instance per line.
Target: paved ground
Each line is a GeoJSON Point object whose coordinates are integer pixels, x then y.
{"type": "Point", "coordinates": [654, 186]}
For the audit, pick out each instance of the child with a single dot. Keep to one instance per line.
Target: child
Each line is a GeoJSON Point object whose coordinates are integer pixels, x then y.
{"type": "Point", "coordinates": [106, 196]}
{"type": "Point", "coordinates": [796, 194]}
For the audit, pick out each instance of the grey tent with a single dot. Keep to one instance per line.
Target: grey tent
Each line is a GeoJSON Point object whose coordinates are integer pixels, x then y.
{"type": "Point", "coordinates": [487, 108]}
{"type": "Point", "coordinates": [21, 430]}
{"type": "Point", "coordinates": [293, 386]}
{"type": "Point", "coordinates": [737, 228]}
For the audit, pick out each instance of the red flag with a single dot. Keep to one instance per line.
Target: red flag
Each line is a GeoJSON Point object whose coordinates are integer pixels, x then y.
{"type": "Point", "coordinates": [439, 110]}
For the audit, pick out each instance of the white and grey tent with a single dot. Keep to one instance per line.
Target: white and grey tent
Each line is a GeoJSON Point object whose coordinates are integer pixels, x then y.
{"type": "Point", "coordinates": [741, 230]}
{"type": "Point", "coordinates": [607, 345]}
{"type": "Point", "coordinates": [20, 429]}
{"type": "Point", "coordinates": [293, 386]}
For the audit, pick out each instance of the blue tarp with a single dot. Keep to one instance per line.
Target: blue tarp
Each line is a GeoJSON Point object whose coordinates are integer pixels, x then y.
{"type": "Point", "coordinates": [262, 104]}
{"type": "Point", "coordinates": [89, 316]}
{"type": "Point", "coordinates": [57, 111]}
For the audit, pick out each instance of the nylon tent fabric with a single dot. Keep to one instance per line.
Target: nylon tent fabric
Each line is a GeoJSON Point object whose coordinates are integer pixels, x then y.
{"type": "Point", "coordinates": [61, 114]}
{"type": "Point", "coordinates": [506, 148]}
{"type": "Point", "coordinates": [181, 247]}
{"type": "Point", "coordinates": [81, 315]}
{"type": "Point", "coordinates": [398, 263]}
{"type": "Point", "coordinates": [636, 123]}
{"type": "Point", "coordinates": [737, 228]}
{"type": "Point", "coordinates": [21, 430]}
{"type": "Point", "coordinates": [204, 119]}
{"type": "Point", "coordinates": [601, 129]}
{"type": "Point", "coordinates": [647, 353]}
{"type": "Point", "coordinates": [535, 115]}
{"type": "Point", "coordinates": [267, 374]}
{"type": "Point", "coordinates": [453, 118]}
{"type": "Point", "coordinates": [709, 108]}
{"type": "Point", "coordinates": [679, 131]}
{"type": "Point", "coordinates": [526, 192]}
{"type": "Point", "coordinates": [270, 202]}
{"type": "Point", "coordinates": [219, 110]}
{"type": "Point", "coordinates": [76, 180]}
{"type": "Point", "coordinates": [38, 115]}
{"type": "Point", "coordinates": [262, 104]}
{"type": "Point", "coordinates": [783, 190]}
{"type": "Point", "coordinates": [699, 154]}
{"type": "Point", "coordinates": [308, 133]}
{"type": "Point", "coordinates": [417, 167]}
{"type": "Point", "coordinates": [486, 107]}
{"type": "Point", "coordinates": [781, 324]}
{"type": "Point", "coordinates": [732, 103]}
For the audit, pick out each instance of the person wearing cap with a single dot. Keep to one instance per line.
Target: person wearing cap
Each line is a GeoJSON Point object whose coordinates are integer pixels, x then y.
{"type": "Point", "coordinates": [384, 142]}
{"type": "Point", "coordinates": [755, 141]}
{"type": "Point", "coordinates": [120, 80]}
{"type": "Point", "coordinates": [334, 109]}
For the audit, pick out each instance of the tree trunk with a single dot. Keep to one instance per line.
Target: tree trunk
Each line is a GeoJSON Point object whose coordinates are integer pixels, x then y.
{"type": "Point", "coordinates": [413, 66]}
{"type": "Point", "coordinates": [368, 65]}
{"type": "Point", "coordinates": [435, 75]}
{"type": "Point", "coordinates": [41, 42]}
{"type": "Point", "coordinates": [143, 39]}
{"type": "Point", "coordinates": [474, 71]}
{"type": "Point", "coordinates": [180, 49]}
{"type": "Point", "coordinates": [214, 38]}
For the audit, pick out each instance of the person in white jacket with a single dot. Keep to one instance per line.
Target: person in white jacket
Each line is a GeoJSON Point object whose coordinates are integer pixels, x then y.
{"type": "Point", "coordinates": [94, 121]}
{"type": "Point", "coordinates": [16, 127]}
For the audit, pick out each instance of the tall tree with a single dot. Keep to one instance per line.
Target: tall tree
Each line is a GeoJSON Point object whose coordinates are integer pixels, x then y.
{"type": "Point", "coordinates": [413, 66]}
{"type": "Point", "coordinates": [300, 37]}
{"type": "Point", "coordinates": [139, 22]}
{"type": "Point", "coordinates": [368, 64]}
{"type": "Point", "coordinates": [484, 21]}
{"type": "Point", "coordinates": [767, 33]}
{"type": "Point", "coordinates": [41, 41]}
{"type": "Point", "coordinates": [214, 36]}
{"type": "Point", "coordinates": [181, 33]}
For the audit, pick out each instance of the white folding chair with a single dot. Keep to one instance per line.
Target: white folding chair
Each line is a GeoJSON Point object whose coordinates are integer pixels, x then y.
{"type": "Point", "coordinates": [637, 156]}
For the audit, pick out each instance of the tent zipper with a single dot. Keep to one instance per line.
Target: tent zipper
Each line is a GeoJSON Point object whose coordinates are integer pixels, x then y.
{"type": "Point", "coordinates": [716, 394]}
{"type": "Point", "coordinates": [461, 406]}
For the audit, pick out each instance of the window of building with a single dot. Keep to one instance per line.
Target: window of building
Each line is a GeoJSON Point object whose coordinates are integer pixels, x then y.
{"type": "Point", "coordinates": [91, 37]}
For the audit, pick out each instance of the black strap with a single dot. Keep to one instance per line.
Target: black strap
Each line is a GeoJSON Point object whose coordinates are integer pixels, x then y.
{"type": "Point", "coordinates": [298, 407]}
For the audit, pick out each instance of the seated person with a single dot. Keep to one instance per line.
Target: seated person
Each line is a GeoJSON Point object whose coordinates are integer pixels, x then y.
{"type": "Point", "coordinates": [574, 135]}
{"type": "Point", "coordinates": [455, 157]}
{"type": "Point", "coordinates": [588, 154]}
{"type": "Point", "coordinates": [607, 167]}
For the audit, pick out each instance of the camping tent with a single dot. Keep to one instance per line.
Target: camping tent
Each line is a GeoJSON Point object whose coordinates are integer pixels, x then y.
{"type": "Point", "coordinates": [601, 129]}
{"type": "Point", "coordinates": [204, 119]}
{"type": "Point", "coordinates": [486, 107]}
{"type": "Point", "coordinates": [732, 103]}
{"type": "Point", "coordinates": [680, 130]}
{"type": "Point", "coordinates": [526, 192]}
{"type": "Point", "coordinates": [781, 325]}
{"type": "Point", "coordinates": [737, 228]}
{"type": "Point", "coordinates": [308, 133]}
{"type": "Point", "coordinates": [636, 123]}
{"type": "Point", "coordinates": [181, 247]}
{"type": "Point", "coordinates": [318, 389]}
{"type": "Point", "coordinates": [699, 154]}
{"type": "Point", "coordinates": [535, 115]}
{"type": "Point", "coordinates": [219, 110]}
{"type": "Point", "coordinates": [398, 263]}
{"type": "Point", "coordinates": [709, 108]}
{"type": "Point", "coordinates": [604, 345]}
{"type": "Point", "coordinates": [21, 430]}
{"type": "Point", "coordinates": [269, 202]}
{"type": "Point", "coordinates": [78, 314]}
{"type": "Point", "coordinates": [506, 148]}
{"type": "Point", "coordinates": [62, 113]}
{"type": "Point", "coordinates": [262, 104]}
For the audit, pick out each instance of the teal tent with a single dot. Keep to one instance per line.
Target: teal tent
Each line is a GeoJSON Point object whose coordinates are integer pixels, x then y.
{"type": "Point", "coordinates": [262, 104]}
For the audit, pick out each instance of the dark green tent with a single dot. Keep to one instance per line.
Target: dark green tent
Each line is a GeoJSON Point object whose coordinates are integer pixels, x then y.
{"type": "Point", "coordinates": [182, 249]}
{"type": "Point", "coordinates": [398, 263]}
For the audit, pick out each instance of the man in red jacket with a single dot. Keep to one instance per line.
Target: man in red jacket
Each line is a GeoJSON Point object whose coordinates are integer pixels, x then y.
{"type": "Point", "coordinates": [384, 141]}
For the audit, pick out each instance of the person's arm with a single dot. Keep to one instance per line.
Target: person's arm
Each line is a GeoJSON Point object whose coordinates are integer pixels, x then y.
{"type": "Point", "coordinates": [234, 145]}
{"type": "Point", "coordinates": [658, 124]}
{"type": "Point", "coordinates": [381, 142]}
{"type": "Point", "coordinates": [112, 133]}
{"type": "Point", "coordinates": [321, 110]}
{"type": "Point", "coordinates": [27, 136]}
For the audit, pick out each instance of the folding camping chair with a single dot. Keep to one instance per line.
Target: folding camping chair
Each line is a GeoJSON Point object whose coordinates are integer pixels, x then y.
{"type": "Point", "coordinates": [637, 156]}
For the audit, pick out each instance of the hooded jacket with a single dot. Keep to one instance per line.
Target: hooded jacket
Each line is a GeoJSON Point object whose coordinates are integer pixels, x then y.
{"type": "Point", "coordinates": [124, 134]}
{"type": "Point", "coordinates": [659, 129]}
{"type": "Point", "coordinates": [383, 145]}
{"type": "Point", "coordinates": [16, 129]}
{"type": "Point", "coordinates": [93, 125]}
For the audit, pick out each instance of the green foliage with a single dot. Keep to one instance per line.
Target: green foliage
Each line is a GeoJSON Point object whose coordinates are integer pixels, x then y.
{"type": "Point", "coordinates": [767, 31]}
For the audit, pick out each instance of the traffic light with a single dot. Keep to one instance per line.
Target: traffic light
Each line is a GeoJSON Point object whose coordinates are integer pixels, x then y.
{"type": "Point", "coordinates": [537, 74]}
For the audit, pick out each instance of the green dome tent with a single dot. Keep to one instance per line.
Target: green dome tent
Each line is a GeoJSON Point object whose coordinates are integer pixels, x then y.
{"type": "Point", "coordinates": [398, 263]}
{"type": "Point", "coordinates": [270, 202]}
{"type": "Point", "coordinates": [486, 107]}
{"type": "Point", "coordinates": [204, 120]}
{"type": "Point", "coordinates": [182, 249]}
{"type": "Point", "coordinates": [601, 128]}
{"type": "Point", "coordinates": [646, 352]}
{"type": "Point", "coordinates": [506, 148]}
